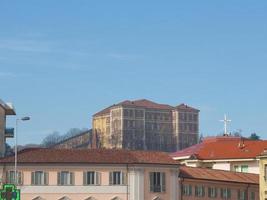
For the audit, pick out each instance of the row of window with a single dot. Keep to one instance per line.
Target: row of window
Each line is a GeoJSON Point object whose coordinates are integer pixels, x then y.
{"type": "Point", "coordinates": [188, 117]}
{"type": "Point", "coordinates": [67, 178]}
{"type": "Point", "coordinates": [213, 192]}
{"type": "Point", "coordinates": [242, 168]}
{"type": "Point", "coordinates": [157, 179]}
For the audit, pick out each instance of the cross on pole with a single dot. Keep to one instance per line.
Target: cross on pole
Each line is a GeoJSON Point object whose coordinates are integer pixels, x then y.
{"type": "Point", "coordinates": [225, 121]}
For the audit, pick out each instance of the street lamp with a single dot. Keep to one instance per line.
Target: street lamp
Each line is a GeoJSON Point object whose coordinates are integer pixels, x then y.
{"type": "Point", "coordinates": [16, 148]}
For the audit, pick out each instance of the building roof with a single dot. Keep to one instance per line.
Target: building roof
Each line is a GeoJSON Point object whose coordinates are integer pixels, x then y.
{"type": "Point", "coordinates": [8, 107]}
{"type": "Point", "coordinates": [218, 148]}
{"type": "Point", "coordinates": [186, 107]}
{"type": "Point", "coordinates": [144, 103]}
{"type": "Point", "coordinates": [218, 175]}
{"type": "Point", "coordinates": [93, 156]}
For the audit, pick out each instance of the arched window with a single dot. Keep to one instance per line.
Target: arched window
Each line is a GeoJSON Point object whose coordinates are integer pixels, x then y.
{"type": "Point", "coordinates": [38, 198]}
{"type": "Point", "coordinates": [90, 198]}
{"type": "Point", "coordinates": [64, 198]}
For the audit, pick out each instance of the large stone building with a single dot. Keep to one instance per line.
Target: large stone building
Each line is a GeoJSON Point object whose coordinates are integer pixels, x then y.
{"type": "Point", "coordinates": [146, 125]}
{"type": "Point", "coordinates": [5, 109]}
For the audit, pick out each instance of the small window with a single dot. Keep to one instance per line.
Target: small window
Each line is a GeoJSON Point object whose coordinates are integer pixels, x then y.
{"type": "Point", "coordinates": [212, 192]}
{"type": "Point", "coordinates": [117, 178]}
{"type": "Point", "coordinates": [252, 196]}
{"type": "Point", "coordinates": [65, 178]}
{"type": "Point", "coordinates": [157, 182]}
{"type": "Point", "coordinates": [244, 168]}
{"type": "Point", "coordinates": [265, 173]}
{"type": "Point", "coordinates": [39, 178]}
{"type": "Point", "coordinates": [236, 168]}
{"type": "Point", "coordinates": [241, 195]}
{"type": "Point", "coordinates": [91, 178]}
{"type": "Point", "coordinates": [187, 190]}
{"type": "Point", "coordinates": [199, 191]}
{"type": "Point", "coordinates": [10, 177]}
{"type": "Point", "coordinates": [225, 193]}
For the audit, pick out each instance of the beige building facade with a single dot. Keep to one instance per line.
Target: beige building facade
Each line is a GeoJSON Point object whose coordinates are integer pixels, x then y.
{"type": "Point", "coordinates": [68, 174]}
{"type": "Point", "coordinates": [146, 125]}
{"type": "Point", "coordinates": [263, 175]}
{"type": "Point", "coordinates": [5, 110]}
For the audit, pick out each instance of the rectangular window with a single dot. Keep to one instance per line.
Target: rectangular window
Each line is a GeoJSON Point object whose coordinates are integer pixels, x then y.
{"type": "Point", "coordinates": [10, 177]}
{"type": "Point", "coordinates": [212, 192]}
{"type": "Point", "coordinates": [199, 191]}
{"type": "Point", "coordinates": [39, 178]}
{"type": "Point", "coordinates": [65, 178]}
{"type": "Point", "coordinates": [157, 182]}
{"type": "Point", "coordinates": [187, 190]}
{"type": "Point", "coordinates": [244, 168]}
{"type": "Point", "coordinates": [117, 178]}
{"type": "Point", "coordinates": [265, 173]}
{"type": "Point", "coordinates": [225, 193]}
{"type": "Point", "coordinates": [91, 178]}
{"type": "Point", "coordinates": [237, 168]}
{"type": "Point", "coordinates": [242, 195]}
{"type": "Point", "coordinates": [252, 196]}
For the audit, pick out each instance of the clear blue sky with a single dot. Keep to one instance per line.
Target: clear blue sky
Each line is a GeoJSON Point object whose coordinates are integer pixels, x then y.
{"type": "Point", "coordinates": [62, 61]}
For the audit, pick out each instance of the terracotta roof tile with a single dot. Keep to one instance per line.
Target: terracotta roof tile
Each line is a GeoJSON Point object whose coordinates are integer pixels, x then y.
{"type": "Point", "coordinates": [100, 156]}
{"type": "Point", "coordinates": [144, 103]}
{"type": "Point", "coordinates": [218, 175]}
{"type": "Point", "coordinates": [224, 148]}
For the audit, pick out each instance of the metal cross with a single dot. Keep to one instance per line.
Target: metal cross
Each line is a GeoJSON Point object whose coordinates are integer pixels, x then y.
{"type": "Point", "coordinates": [225, 121]}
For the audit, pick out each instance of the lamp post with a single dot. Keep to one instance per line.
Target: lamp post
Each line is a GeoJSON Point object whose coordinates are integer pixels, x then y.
{"type": "Point", "coordinates": [16, 148]}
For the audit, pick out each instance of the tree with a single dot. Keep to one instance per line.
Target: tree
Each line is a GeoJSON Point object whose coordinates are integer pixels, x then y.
{"type": "Point", "coordinates": [51, 139]}
{"type": "Point", "coordinates": [254, 136]}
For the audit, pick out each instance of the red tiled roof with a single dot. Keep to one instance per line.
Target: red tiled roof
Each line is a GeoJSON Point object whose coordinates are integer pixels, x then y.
{"type": "Point", "coordinates": [224, 148]}
{"type": "Point", "coordinates": [94, 156]}
{"type": "Point", "coordinates": [218, 175]}
{"type": "Point", "coordinates": [144, 103]}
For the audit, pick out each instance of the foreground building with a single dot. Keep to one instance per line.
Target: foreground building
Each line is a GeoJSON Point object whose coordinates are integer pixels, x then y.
{"type": "Point", "coordinates": [263, 175]}
{"type": "Point", "coordinates": [97, 174]}
{"type": "Point", "coordinates": [146, 125]}
{"type": "Point", "coordinates": [225, 153]}
{"type": "Point", "coordinates": [202, 183]}
{"type": "Point", "coordinates": [5, 110]}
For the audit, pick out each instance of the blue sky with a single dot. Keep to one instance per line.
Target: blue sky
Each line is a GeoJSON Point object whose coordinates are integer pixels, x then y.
{"type": "Point", "coordinates": [62, 61]}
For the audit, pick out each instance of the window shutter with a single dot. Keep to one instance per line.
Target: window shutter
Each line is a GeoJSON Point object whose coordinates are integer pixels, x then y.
{"type": "Point", "coordinates": [7, 177]}
{"type": "Point", "coordinates": [163, 182]}
{"type": "Point", "coordinates": [19, 178]}
{"type": "Point", "coordinates": [46, 178]}
{"type": "Point", "coordinates": [195, 190]}
{"type": "Point", "coordinates": [203, 191]}
{"type": "Point", "coordinates": [32, 177]}
{"type": "Point", "coordinates": [238, 194]}
{"type": "Point", "coordinates": [58, 178]}
{"type": "Point", "coordinates": [98, 178]}
{"type": "Point", "coordinates": [229, 193]}
{"type": "Point", "coordinates": [123, 178]}
{"type": "Point", "coordinates": [221, 193]}
{"type": "Point", "coordinates": [84, 178]}
{"type": "Point", "coordinates": [215, 192]}
{"type": "Point", "coordinates": [110, 178]}
{"type": "Point", "coordinates": [151, 181]}
{"type": "Point", "coordinates": [71, 178]}
{"type": "Point", "coordinates": [190, 190]}
{"type": "Point", "coordinates": [209, 192]}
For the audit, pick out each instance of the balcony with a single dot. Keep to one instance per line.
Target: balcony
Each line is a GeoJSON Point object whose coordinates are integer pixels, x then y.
{"type": "Point", "coordinates": [9, 132]}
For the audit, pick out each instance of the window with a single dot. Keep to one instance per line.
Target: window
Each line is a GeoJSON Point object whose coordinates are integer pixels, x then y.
{"type": "Point", "coordinates": [65, 178]}
{"type": "Point", "coordinates": [10, 177]}
{"type": "Point", "coordinates": [244, 168]}
{"type": "Point", "coordinates": [212, 192]}
{"type": "Point", "coordinates": [187, 190]}
{"type": "Point", "coordinates": [91, 178]}
{"type": "Point", "coordinates": [236, 168]}
{"type": "Point", "coordinates": [252, 196]}
{"type": "Point", "coordinates": [117, 178]}
{"type": "Point", "coordinates": [241, 195]}
{"type": "Point", "coordinates": [225, 193]}
{"type": "Point", "coordinates": [39, 178]}
{"type": "Point", "coordinates": [265, 172]}
{"type": "Point", "coordinates": [157, 182]}
{"type": "Point", "coordinates": [199, 191]}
